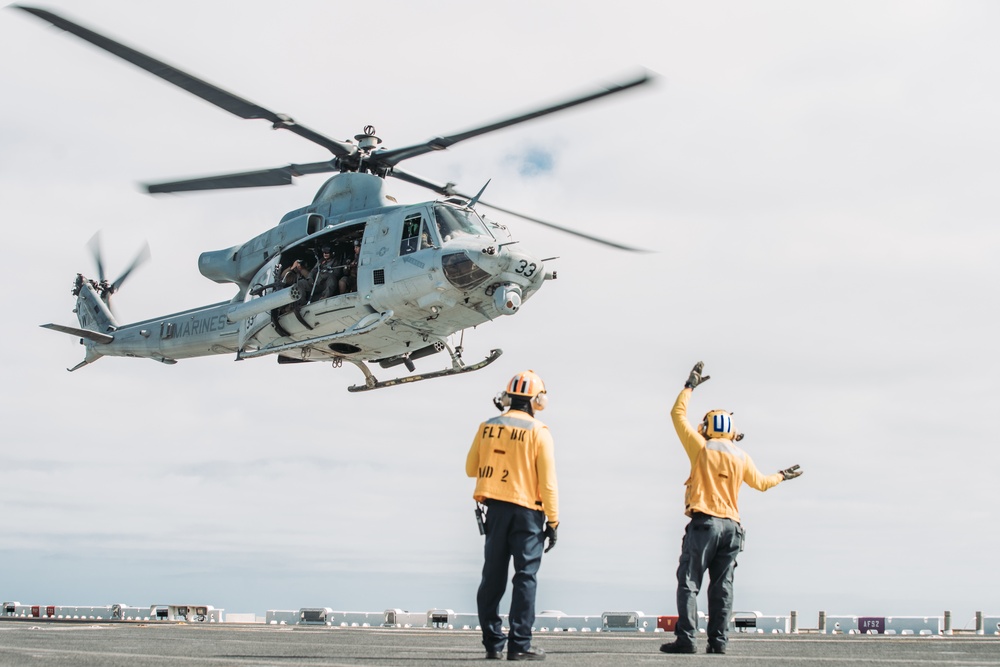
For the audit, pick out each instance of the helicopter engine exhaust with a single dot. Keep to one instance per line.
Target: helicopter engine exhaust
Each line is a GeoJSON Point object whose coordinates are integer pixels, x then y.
{"type": "Point", "coordinates": [507, 298]}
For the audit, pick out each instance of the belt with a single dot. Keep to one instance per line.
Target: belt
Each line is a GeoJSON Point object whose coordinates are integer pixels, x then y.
{"type": "Point", "coordinates": [490, 501]}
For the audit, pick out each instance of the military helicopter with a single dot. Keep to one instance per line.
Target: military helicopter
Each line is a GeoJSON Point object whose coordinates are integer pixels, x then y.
{"type": "Point", "coordinates": [398, 279]}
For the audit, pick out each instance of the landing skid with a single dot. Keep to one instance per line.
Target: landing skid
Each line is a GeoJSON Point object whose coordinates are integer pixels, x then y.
{"type": "Point", "coordinates": [457, 368]}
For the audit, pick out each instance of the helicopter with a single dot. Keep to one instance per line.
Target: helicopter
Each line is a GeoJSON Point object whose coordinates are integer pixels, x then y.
{"type": "Point", "coordinates": [354, 276]}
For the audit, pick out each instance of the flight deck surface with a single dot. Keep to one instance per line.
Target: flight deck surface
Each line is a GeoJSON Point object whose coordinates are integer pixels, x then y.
{"type": "Point", "coordinates": [82, 644]}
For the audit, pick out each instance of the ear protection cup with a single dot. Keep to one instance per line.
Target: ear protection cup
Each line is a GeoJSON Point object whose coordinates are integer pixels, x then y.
{"type": "Point", "coordinates": [539, 402]}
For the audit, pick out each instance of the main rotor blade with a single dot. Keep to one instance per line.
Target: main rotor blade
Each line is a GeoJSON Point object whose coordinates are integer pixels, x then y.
{"type": "Point", "coordinates": [392, 157]}
{"type": "Point", "coordinates": [247, 179]}
{"type": "Point", "coordinates": [568, 230]}
{"type": "Point", "coordinates": [206, 91]}
{"type": "Point", "coordinates": [448, 190]}
{"type": "Point", "coordinates": [139, 260]}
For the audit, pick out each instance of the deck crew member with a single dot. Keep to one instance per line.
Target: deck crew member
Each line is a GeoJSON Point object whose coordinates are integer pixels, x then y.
{"type": "Point", "coordinates": [513, 462]}
{"type": "Point", "coordinates": [714, 537]}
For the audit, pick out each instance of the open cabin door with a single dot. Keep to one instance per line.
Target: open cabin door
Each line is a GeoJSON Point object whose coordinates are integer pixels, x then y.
{"type": "Point", "coordinates": [328, 262]}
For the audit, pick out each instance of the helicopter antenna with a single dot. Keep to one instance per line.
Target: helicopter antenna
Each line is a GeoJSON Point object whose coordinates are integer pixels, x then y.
{"type": "Point", "coordinates": [475, 200]}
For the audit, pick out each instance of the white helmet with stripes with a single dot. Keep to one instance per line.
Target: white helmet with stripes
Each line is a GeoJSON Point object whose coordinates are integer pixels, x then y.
{"type": "Point", "coordinates": [528, 385]}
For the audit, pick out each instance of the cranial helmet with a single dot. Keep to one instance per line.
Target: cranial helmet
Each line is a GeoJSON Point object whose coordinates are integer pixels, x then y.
{"type": "Point", "coordinates": [719, 424]}
{"type": "Point", "coordinates": [528, 385]}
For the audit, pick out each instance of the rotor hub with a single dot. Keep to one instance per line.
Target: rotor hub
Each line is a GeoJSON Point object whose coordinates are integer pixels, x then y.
{"type": "Point", "coordinates": [367, 141]}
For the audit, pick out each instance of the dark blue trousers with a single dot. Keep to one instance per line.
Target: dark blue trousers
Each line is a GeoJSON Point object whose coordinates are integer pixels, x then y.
{"type": "Point", "coordinates": [710, 545]}
{"type": "Point", "coordinates": [514, 532]}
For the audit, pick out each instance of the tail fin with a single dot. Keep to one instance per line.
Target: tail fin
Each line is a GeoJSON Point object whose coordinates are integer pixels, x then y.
{"type": "Point", "coordinates": [91, 357]}
{"type": "Point", "coordinates": [97, 324]}
{"type": "Point", "coordinates": [95, 336]}
{"type": "Point", "coordinates": [92, 309]}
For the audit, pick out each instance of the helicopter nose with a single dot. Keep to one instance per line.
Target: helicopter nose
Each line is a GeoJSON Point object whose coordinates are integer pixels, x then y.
{"type": "Point", "coordinates": [526, 269]}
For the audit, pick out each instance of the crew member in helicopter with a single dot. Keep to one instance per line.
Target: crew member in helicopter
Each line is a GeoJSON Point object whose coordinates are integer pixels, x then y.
{"type": "Point", "coordinates": [299, 270]}
{"type": "Point", "coordinates": [513, 461]}
{"type": "Point", "coordinates": [298, 274]}
{"type": "Point", "coordinates": [714, 537]}
{"type": "Point", "coordinates": [349, 281]}
{"type": "Point", "coordinates": [326, 275]}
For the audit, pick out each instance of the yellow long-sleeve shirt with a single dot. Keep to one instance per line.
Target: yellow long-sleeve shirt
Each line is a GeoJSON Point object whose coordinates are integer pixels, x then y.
{"type": "Point", "coordinates": [718, 469]}
{"type": "Point", "coordinates": [513, 459]}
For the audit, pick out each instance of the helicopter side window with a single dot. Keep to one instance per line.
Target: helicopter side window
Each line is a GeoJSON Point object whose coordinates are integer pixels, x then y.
{"type": "Point", "coordinates": [452, 222]}
{"type": "Point", "coordinates": [425, 237]}
{"type": "Point", "coordinates": [412, 225]}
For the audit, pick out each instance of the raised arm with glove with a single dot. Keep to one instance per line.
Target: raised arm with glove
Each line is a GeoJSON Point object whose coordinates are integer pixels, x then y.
{"type": "Point", "coordinates": [695, 378]}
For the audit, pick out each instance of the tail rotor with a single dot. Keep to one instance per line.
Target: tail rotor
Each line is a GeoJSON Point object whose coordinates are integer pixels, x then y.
{"type": "Point", "coordinates": [106, 287]}
{"type": "Point", "coordinates": [141, 258]}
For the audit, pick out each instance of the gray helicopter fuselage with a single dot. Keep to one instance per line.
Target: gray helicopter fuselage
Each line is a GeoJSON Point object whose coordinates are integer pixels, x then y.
{"type": "Point", "coordinates": [428, 270]}
{"type": "Point", "coordinates": [423, 272]}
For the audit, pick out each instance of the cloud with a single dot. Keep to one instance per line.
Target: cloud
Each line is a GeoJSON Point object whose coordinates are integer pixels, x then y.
{"type": "Point", "coordinates": [533, 162]}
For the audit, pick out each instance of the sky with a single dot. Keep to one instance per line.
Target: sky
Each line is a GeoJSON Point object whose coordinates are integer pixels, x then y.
{"type": "Point", "coordinates": [817, 185]}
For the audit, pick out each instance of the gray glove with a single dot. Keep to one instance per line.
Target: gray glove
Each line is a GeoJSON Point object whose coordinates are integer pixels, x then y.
{"type": "Point", "coordinates": [695, 378]}
{"type": "Point", "coordinates": [790, 473]}
{"type": "Point", "coordinates": [550, 533]}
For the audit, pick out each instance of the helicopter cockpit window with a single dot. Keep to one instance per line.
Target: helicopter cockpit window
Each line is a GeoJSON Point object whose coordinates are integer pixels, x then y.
{"type": "Point", "coordinates": [452, 222]}
{"type": "Point", "coordinates": [415, 234]}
